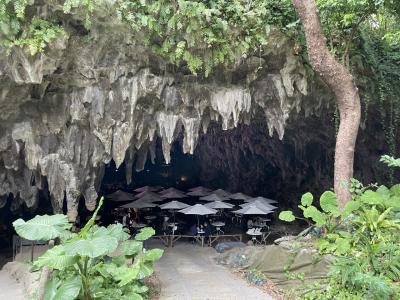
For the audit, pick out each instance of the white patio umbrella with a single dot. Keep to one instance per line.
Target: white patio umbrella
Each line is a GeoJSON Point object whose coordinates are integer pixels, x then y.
{"type": "Point", "coordinates": [139, 204]}
{"type": "Point", "coordinates": [221, 192]}
{"type": "Point", "coordinates": [252, 210]}
{"type": "Point", "coordinates": [261, 204]}
{"type": "Point", "coordinates": [120, 196]}
{"type": "Point", "coordinates": [240, 196]}
{"type": "Point", "coordinates": [200, 188]}
{"type": "Point", "coordinates": [148, 188]}
{"type": "Point", "coordinates": [219, 205]}
{"type": "Point", "coordinates": [214, 197]}
{"type": "Point", "coordinates": [261, 199]}
{"type": "Point", "coordinates": [199, 191]}
{"type": "Point", "coordinates": [149, 196]}
{"type": "Point", "coordinates": [171, 189]}
{"type": "Point", "coordinates": [198, 210]}
{"type": "Point", "coordinates": [173, 195]}
{"type": "Point", "coordinates": [174, 205]}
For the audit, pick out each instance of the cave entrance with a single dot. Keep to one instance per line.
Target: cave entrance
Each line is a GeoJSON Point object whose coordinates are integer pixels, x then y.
{"type": "Point", "coordinates": [240, 160]}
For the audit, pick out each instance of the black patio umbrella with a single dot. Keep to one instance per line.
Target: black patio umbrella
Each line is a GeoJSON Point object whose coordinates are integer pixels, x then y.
{"type": "Point", "coordinates": [120, 196]}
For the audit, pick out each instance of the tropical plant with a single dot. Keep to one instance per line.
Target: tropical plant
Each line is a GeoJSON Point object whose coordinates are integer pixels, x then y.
{"type": "Point", "coordinates": [85, 265]}
{"type": "Point", "coordinates": [363, 237]}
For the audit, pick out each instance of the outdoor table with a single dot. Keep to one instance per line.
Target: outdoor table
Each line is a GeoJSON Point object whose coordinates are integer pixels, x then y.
{"type": "Point", "coordinates": [218, 226]}
{"type": "Point", "coordinates": [150, 218]}
{"type": "Point", "coordinates": [254, 236]}
{"type": "Point", "coordinates": [201, 233]}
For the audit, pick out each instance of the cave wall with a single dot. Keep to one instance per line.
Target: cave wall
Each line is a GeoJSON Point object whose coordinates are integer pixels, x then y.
{"type": "Point", "coordinates": [98, 95]}
{"type": "Point", "coordinates": [247, 160]}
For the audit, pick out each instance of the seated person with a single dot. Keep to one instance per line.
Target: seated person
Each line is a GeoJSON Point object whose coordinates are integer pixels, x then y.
{"type": "Point", "coordinates": [249, 224]}
{"type": "Point", "coordinates": [194, 230]}
{"type": "Point", "coordinates": [207, 230]}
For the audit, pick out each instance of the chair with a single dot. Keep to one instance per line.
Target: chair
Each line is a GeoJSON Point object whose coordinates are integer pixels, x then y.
{"type": "Point", "coordinates": [265, 235]}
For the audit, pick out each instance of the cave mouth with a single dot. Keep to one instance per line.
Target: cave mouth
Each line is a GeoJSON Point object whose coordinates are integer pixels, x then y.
{"type": "Point", "coordinates": [244, 159]}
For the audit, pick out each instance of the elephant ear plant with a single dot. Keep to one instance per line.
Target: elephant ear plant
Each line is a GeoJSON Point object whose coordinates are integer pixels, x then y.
{"type": "Point", "coordinates": [84, 265]}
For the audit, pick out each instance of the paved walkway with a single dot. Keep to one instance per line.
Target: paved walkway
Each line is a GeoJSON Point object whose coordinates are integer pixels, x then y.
{"type": "Point", "coordinates": [188, 272]}
{"type": "Point", "coordinates": [10, 289]}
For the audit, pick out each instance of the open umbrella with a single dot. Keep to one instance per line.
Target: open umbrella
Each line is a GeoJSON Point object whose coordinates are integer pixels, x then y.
{"type": "Point", "coordinates": [198, 210]}
{"type": "Point", "coordinates": [174, 205]}
{"type": "Point", "coordinates": [222, 193]}
{"type": "Point", "coordinates": [261, 199]}
{"type": "Point", "coordinates": [261, 204]}
{"type": "Point", "coordinates": [173, 195]}
{"type": "Point", "coordinates": [239, 196]}
{"type": "Point", "coordinates": [199, 188]}
{"type": "Point", "coordinates": [148, 188]}
{"type": "Point", "coordinates": [214, 197]}
{"type": "Point", "coordinates": [149, 196]}
{"type": "Point", "coordinates": [139, 204]}
{"type": "Point", "coordinates": [120, 196]}
{"type": "Point", "coordinates": [252, 210]}
{"type": "Point", "coordinates": [171, 189]}
{"type": "Point", "coordinates": [219, 205]}
{"type": "Point", "coordinates": [199, 191]}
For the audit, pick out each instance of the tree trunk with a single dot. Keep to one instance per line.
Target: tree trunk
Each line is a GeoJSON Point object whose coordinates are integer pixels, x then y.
{"type": "Point", "coordinates": [341, 82]}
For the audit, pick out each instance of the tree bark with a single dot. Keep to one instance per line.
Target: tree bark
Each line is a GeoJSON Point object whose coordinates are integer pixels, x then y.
{"type": "Point", "coordinates": [341, 82]}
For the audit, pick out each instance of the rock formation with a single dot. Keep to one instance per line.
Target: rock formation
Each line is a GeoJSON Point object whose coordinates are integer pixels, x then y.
{"type": "Point", "coordinates": [98, 96]}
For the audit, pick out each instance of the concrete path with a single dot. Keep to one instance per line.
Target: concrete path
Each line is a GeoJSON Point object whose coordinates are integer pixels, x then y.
{"type": "Point", "coordinates": [188, 272]}
{"type": "Point", "coordinates": [10, 289]}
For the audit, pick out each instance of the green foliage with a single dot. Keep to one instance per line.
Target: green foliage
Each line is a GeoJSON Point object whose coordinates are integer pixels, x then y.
{"type": "Point", "coordinates": [20, 30]}
{"type": "Point", "coordinates": [42, 227]}
{"type": "Point", "coordinates": [83, 264]}
{"type": "Point", "coordinates": [364, 239]}
{"type": "Point", "coordinates": [204, 34]}
{"type": "Point", "coordinates": [287, 216]}
{"type": "Point", "coordinates": [390, 161]}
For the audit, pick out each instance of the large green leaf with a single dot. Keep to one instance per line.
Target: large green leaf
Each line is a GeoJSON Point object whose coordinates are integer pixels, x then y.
{"type": "Point", "coordinates": [56, 258]}
{"type": "Point", "coordinates": [126, 274]}
{"type": "Point", "coordinates": [349, 207]}
{"type": "Point", "coordinates": [92, 248]}
{"type": "Point", "coordinates": [383, 191]}
{"type": "Point", "coordinates": [117, 231]}
{"type": "Point", "coordinates": [146, 269]}
{"type": "Point", "coordinates": [395, 190]}
{"type": "Point", "coordinates": [342, 246]}
{"type": "Point", "coordinates": [393, 201]}
{"type": "Point", "coordinates": [153, 254]}
{"type": "Point", "coordinates": [69, 289]}
{"type": "Point", "coordinates": [329, 202]}
{"type": "Point", "coordinates": [51, 288]}
{"type": "Point", "coordinates": [131, 247]}
{"type": "Point", "coordinates": [372, 198]}
{"type": "Point", "coordinates": [318, 217]}
{"type": "Point", "coordinates": [144, 234]}
{"type": "Point", "coordinates": [63, 290]}
{"type": "Point", "coordinates": [307, 199]}
{"type": "Point", "coordinates": [42, 228]}
{"type": "Point", "coordinates": [287, 216]}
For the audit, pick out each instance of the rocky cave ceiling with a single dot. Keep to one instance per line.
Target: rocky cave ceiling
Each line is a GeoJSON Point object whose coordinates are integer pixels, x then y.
{"type": "Point", "coordinates": [86, 101]}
